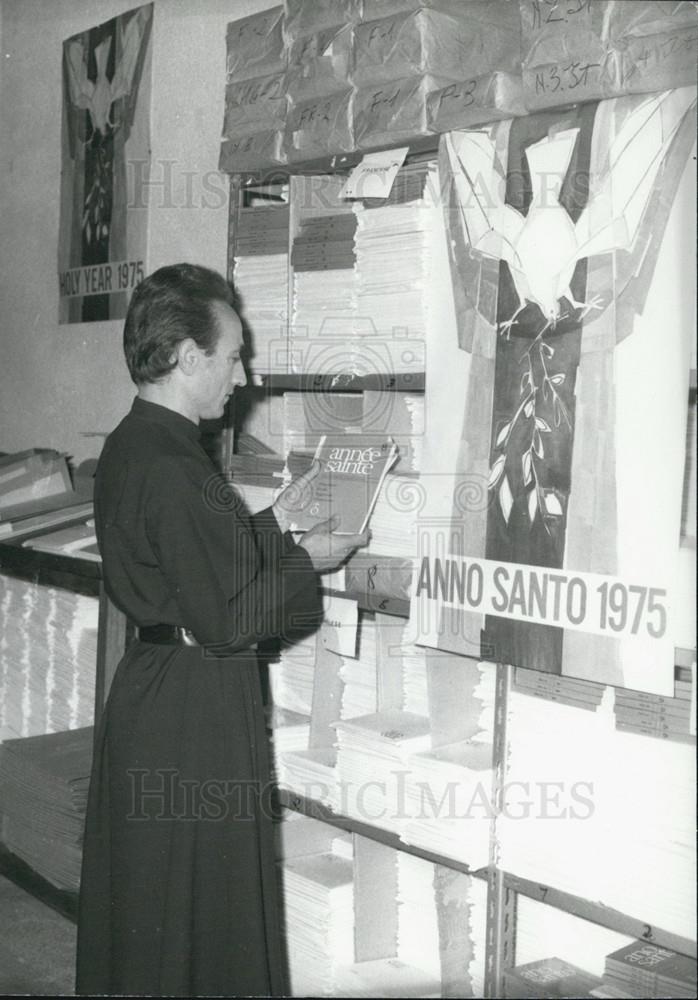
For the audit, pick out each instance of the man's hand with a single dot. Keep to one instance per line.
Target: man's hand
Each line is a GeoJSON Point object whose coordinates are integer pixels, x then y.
{"type": "Point", "coordinates": [327, 549]}
{"type": "Point", "coordinates": [295, 496]}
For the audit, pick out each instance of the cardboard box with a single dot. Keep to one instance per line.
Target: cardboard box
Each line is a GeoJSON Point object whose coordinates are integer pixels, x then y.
{"type": "Point", "coordinates": [482, 37]}
{"type": "Point", "coordinates": [305, 17]}
{"type": "Point", "coordinates": [319, 126]}
{"type": "Point", "coordinates": [388, 113]}
{"type": "Point", "coordinates": [319, 64]}
{"type": "Point", "coordinates": [590, 50]}
{"type": "Point", "coordinates": [483, 99]}
{"type": "Point", "coordinates": [253, 152]}
{"type": "Point", "coordinates": [253, 106]}
{"type": "Point", "coordinates": [255, 46]}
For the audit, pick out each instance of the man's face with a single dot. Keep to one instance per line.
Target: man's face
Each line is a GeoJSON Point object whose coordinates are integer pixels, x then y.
{"type": "Point", "coordinates": [221, 371]}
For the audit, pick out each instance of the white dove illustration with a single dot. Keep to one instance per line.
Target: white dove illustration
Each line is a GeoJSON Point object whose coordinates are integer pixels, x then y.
{"type": "Point", "coordinates": [98, 97]}
{"type": "Point", "coordinates": [543, 247]}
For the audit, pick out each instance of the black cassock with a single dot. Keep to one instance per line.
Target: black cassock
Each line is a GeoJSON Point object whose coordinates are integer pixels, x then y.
{"type": "Point", "coordinates": [178, 892]}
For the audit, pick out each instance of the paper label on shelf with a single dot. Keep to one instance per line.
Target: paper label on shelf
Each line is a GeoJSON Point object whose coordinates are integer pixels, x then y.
{"type": "Point", "coordinates": [339, 630]}
{"type": "Point", "coordinates": [374, 176]}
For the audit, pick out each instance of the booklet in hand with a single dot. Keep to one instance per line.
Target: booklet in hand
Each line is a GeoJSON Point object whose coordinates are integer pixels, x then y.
{"type": "Point", "coordinates": [353, 470]}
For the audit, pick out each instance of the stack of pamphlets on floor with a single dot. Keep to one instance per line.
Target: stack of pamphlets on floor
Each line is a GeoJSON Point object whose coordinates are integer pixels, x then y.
{"type": "Point", "coordinates": [372, 756]}
{"type": "Point", "coordinates": [47, 658]}
{"type": "Point", "coordinates": [319, 907]}
{"type": "Point", "coordinates": [385, 977]}
{"type": "Point", "coordinates": [43, 795]}
{"type": "Point", "coordinates": [260, 276]}
{"type": "Point", "coordinates": [548, 977]}
{"type": "Point", "coordinates": [450, 801]}
{"type": "Point", "coordinates": [641, 969]}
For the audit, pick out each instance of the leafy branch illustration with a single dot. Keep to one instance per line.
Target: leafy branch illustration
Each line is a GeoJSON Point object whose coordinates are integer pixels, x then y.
{"type": "Point", "coordinates": [96, 203]}
{"type": "Point", "coordinates": [539, 499]}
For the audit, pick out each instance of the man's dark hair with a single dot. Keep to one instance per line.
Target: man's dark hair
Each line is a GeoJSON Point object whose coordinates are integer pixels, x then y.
{"type": "Point", "coordinates": [170, 305]}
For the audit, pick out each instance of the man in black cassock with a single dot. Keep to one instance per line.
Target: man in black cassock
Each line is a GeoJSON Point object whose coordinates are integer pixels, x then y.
{"type": "Point", "coordinates": [178, 893]}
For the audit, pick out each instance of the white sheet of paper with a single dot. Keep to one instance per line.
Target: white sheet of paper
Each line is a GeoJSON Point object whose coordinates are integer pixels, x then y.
{"type": "Point", "coordinates": [374, 176]}
{"type": "Point", "coordinates": [336, 580]}
{"type": "Point", "coordinates": [339, 630]}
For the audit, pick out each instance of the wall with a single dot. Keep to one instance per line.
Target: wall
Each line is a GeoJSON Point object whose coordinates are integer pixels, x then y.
{"type": "Point", "coordinates": [61, 383]}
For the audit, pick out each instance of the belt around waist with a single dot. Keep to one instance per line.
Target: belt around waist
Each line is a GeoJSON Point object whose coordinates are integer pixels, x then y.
{"type": "Point", "coordinates": [177, 635]}
{"type": "Point", "coordinates": [167, 635]}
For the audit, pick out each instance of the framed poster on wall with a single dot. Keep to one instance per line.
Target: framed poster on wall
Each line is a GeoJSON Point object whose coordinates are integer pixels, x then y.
{"type": "Point", "coordinates": [105, 152]}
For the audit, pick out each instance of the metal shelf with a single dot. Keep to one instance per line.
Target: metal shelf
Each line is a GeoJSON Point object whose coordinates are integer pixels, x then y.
{"type": "Point", "coordinates": [597, 913]}
{"type": "Point", "coordinates": [345, 382]}
{"type": "Point", "coordinates": [317, 810]}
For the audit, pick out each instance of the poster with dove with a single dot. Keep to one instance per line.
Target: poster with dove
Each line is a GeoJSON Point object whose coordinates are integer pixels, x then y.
{"type": "Point", "coordinates": [570, 254]}
{"type": "Point", "coordinates": [105, 163]}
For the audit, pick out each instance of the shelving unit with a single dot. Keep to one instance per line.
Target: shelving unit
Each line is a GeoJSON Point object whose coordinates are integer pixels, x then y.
{"type": "Point", "coordinates": [81, 576]}
{"type": "Point", "coordinates": [503, 887]}
{"type": "Point", "coordinates": [366, 584]}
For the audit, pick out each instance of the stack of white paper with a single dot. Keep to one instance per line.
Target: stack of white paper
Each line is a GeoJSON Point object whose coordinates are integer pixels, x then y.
{"type": "Point", "coordinates": [359, 674]}
{"type": "Point", "coordinates": [318, 899]}
{"type": "Point", "coordinates": [324, 305]}
{"type": "Point", "coordinates": [289, 732]}
{"type": "Point", "coordinates": [262, 284]}
{"type": "Point", "coordinates": [291, 677]}
{"type": "Point", "coordinates": [43, 795]}
{"type": "Point", "coordinates": [393, 265]}
{"type": "Point", "coordinates": [310, 773]}
{"type": "Point", "coordinates": [372, 766]}
{"type": "Point", "coordinates": [450, 801]}
{"type": "Point", "coordinates": [294, 429]}
{"type": "Point", "coordinates": [578, 817]}
{"type": "Point", "coordinates": [484, 693]}
{"type": "Point", "coordinates": [477, 906]}
{"type": "Point", "coordinates": [393, 521]}
{"type": "Point", "coordinates": [401, 416]}
{"type": "Point", "coordinates": [414, 679]}
{"type": "Point", "coordinates": [418, 926]}
{"type": "Point", "coordinates": [385, 977]}
{"type": "Point", "coordinates": [48, 652]}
